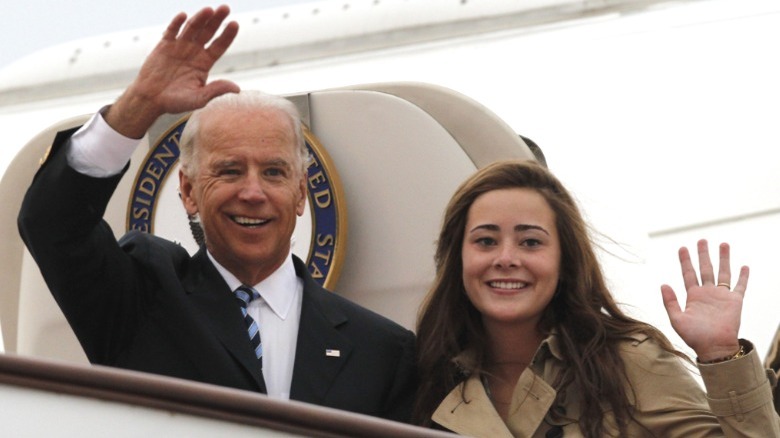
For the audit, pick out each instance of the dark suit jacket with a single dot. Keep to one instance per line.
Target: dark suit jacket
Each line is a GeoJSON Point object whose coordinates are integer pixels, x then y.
{"type": "Point", "coordinates": [144, 304]}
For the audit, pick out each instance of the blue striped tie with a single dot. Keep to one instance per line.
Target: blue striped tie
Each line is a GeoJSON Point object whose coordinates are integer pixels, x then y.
{"type": "Point", "coordinates": [245, 295]}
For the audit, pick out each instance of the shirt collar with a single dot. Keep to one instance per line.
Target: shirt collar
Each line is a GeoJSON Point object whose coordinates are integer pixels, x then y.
{"type": "Point", "coordinates": [276, 289]}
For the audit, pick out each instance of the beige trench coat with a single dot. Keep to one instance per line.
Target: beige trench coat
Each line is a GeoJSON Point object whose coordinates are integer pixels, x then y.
{"type": "Point", "coordinates": [669, 401]}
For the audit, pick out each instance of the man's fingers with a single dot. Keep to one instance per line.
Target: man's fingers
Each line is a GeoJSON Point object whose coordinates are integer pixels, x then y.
{"type": "Point", "coordinates": [201, 28]}
{"type": "Point", "coordinates": [225, 39]}
{"type": "Point", "coordinates": [194, 26]}
{"type": "Point", "coordinates": [173, 28]}
{"type": "Point", "coordinates": [218, 88]}
{"type": "Point", "coordinates": [211, 26]}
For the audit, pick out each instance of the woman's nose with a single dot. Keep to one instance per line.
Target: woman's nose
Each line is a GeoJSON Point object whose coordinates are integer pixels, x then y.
{"type": "Point", "coordinates": [508, 256]}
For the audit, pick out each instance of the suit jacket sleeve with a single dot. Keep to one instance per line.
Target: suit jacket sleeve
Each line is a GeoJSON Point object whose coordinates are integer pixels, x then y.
{"type": "Point", "coordinates": [401, 398]}
{"type": "Point", "coordinates": [86, 271]}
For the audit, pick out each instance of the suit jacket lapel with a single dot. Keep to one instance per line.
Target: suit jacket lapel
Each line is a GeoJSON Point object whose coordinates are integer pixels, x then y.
{"type": "Point", "coordinates": [212, 297]}
{"type": "Point", "coordinates": [322, 350]}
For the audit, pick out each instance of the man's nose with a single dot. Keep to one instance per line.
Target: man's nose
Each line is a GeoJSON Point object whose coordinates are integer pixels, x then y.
{"type": "Point", "coordinates": [252, 189]}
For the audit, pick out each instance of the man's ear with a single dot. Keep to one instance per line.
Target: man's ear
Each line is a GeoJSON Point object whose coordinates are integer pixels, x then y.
{"type": "Point", "coordinates": [186, 193]}
{"type": "Point", "coordinates": [301, 204]}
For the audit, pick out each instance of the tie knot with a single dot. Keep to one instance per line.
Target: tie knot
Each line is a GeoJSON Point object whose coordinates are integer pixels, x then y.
{"type": "Point", "coordinates": [246, 294]}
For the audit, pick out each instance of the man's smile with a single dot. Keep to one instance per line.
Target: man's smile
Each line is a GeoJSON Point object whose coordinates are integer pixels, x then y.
{"type": "Point", "coordinates": [249, 221]}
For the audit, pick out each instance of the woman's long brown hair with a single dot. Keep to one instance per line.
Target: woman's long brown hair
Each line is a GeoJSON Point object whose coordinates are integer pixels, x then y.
{"type": "Point", "coordinates": [582, 312]}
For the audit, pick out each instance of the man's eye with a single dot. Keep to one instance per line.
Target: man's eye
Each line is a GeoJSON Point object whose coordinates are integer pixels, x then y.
{"type": "Point", "coordinates": [274, 171]}
{"type": "Point", "coordinates": [229, 172]}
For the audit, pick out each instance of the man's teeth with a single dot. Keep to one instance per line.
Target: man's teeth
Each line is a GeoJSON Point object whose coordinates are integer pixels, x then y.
{"type": "Point", "coordinates": [507, 284]}
{"type": "Point", "coordinates": [249, 221]}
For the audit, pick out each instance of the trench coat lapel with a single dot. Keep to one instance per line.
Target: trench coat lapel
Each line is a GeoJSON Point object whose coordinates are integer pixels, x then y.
{"type": "Point", "coordinates": [531, 400]}
{"type": "Point", "coordinates": [467, 410]}
{"type": "Point", "coordinates": [472, 413]}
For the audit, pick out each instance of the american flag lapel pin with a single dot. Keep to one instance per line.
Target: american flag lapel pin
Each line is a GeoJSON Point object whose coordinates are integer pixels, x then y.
{"type": "Point", "coordinates": [332, 353]}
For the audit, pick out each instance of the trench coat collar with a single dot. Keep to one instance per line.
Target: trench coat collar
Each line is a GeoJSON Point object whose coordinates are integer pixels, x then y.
{"type": "Point", "coordinates": [468, 410]}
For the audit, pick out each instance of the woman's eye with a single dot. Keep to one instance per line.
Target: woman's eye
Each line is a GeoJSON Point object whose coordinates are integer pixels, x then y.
{"type": "Point", "coordinates": [532, 242]}
{"type": "Point", "coordinates": [486, 241]}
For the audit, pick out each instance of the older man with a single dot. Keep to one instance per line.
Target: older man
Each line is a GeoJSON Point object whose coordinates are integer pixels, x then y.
{"type": "Point", "coordinates": [243, 312]}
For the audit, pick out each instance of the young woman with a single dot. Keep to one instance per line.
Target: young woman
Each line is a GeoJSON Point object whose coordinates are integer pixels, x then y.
{"type": "Point", "coordinates": [520, 336]}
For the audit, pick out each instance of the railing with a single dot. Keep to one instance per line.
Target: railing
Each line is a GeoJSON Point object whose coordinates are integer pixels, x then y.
{"type": "Point", "coordinates": [41, 396]}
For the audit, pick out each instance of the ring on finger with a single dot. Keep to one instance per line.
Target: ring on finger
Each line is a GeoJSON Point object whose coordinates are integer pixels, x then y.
{"type": "Point", "coordinates": [726, 285]}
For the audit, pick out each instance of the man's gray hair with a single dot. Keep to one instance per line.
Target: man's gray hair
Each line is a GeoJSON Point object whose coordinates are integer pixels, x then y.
{"type": "Point", "coordinates": [248, 100]}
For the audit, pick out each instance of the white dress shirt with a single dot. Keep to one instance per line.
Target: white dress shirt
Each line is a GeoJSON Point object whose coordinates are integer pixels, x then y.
{"type": "Point", "coordinates": [99, 151]}
{"type": "Point", "coordinates": [277, 313]}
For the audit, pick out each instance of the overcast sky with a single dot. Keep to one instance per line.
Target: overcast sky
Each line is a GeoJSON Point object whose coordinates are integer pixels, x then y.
{"type": "Point", "coordinates": [30, 25]}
